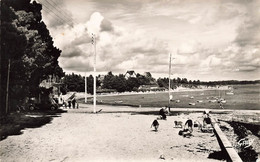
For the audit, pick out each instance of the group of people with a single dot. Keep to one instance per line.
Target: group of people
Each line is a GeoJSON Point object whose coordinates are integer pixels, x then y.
{"type": "Point", "coordinates": [188, 126]}
{"type": "Point", "coordinates": [71, 102]}
{"type": "Point", "coordinates": [162, 112]}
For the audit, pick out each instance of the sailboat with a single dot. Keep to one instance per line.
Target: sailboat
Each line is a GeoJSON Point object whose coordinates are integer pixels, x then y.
{"type": "Point", "coordinates": [231, 91]}
{"type": "Point", "coordinates": [171, 96]}
{"type": "Point", "coordinates": [221, 99]}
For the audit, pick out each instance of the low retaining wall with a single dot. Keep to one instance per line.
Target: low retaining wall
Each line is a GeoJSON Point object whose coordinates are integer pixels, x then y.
{"type": "Point", "coordinates": [224, 144]}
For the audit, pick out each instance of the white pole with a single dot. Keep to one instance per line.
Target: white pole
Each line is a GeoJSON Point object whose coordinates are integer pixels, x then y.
{"type": "Point", "coordinates": [86, 85]}
{"type": "Point", "coordinates": [169, 78]}
{"type": "Point", "coordinates": [95, 97]}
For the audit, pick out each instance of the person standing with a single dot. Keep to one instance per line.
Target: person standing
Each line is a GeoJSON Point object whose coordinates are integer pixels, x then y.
{"type": "Point", "coordinates": [69, 103]}
{"type": "Point", "coordinates": [73, 102]}
{"type": "Point", "coordinates": [60, 100]}
{"type": "Point", "coordinates": [221, 105]}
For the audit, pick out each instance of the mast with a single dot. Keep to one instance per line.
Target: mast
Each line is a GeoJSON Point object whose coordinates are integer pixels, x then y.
{"type": "Point", "coordinates": [169, 79]}
{"type": "Point", "coordinates": [94, 86]}
{"type": "Point", "coordinates": [86, 85]}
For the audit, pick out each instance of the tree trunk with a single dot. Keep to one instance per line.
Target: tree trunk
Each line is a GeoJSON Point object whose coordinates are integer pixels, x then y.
{"type": "Point", "coordinates": [1, 97]}
{"type": "Point", "coordinates": [7, 87]}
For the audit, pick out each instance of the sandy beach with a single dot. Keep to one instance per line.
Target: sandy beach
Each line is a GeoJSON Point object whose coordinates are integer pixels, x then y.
{"type": "Point", "coordinates": [115, 134]}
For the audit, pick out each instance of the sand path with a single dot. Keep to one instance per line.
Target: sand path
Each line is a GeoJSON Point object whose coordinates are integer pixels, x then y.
{"type": "Point", "coordinates": [82, 136]}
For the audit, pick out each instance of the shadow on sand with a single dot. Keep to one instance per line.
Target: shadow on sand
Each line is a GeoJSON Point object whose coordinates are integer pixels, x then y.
{"type": "Point", "coordinates": [218, 155]}
{"type": "Point", "coordinates": [15, 122]}
{"type": "Point", "coordinates": [173, 113]}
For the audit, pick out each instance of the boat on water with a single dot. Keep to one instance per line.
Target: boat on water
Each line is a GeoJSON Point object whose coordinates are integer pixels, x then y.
{"type": "Point", "coordinates": [230, 93]}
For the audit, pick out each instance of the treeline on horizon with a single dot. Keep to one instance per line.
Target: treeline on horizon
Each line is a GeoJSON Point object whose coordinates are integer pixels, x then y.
{"type": "Point", "coordinates": [107, 83]}
{"type": "Point", "coordinates": [119, 83]}
{"type": "Point", "coordinates": [230, 82]}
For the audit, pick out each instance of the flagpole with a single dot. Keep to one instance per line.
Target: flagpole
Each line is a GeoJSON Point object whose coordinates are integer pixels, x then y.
{"type": "Point", "coordinates": [169, 79]}
{"type": "Point", "coordinates": [86, 85]}
{"type": "Point", "coordinates": [95, 97]}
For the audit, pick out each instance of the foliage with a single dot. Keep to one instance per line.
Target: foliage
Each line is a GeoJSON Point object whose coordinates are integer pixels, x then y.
{"type": "Point", "coordinates": [175, 82]}
{"type": "Point", "coordinates": [26, 42]}
{"type": "Point", "coordinates": [121, 84]}
{"type": "Point", "coordinates": [74, 82]}
{"type": "Point", "coordinates": [110, 82]}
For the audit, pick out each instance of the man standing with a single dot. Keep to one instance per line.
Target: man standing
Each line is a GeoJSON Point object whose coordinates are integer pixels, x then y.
{"type": "Point", "coordinates": [73, 101]}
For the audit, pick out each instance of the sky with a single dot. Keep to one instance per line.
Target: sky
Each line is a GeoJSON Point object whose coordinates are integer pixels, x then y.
{"type": "Point", "coordinates": [208, 40]}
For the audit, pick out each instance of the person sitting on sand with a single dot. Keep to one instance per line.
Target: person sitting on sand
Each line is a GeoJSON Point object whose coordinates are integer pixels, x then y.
{"type": "Point", "coordinates": [206, 121]}
{"type": "Point", "coordinates": [189, 124]}
{"type": "Point", "coordinates": [162, 113]}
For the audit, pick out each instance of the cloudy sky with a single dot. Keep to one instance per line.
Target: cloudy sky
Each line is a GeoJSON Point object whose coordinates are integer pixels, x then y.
{"type": "Point", "coordinates": [209, 40]}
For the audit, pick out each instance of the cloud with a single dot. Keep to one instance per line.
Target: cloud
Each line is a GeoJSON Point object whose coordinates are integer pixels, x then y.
{"type": "Point", "coordinates": [83, 39]}
{"type": "Point", "coordinates": [208, 39]}
{"type": "Point", "coordinates": [131, 49]}
{"type": "Point", "coordinates": [106, 25]}
{"type": "Point", "coordinates": [247, 68]}
{"type": "Point", "coordinates": [56, 14]}
{"type": "Point", "coordinates": [249, 31]}
{"type": "Point", "coordinates": [70, 52]}
{"type": "Point", "coordinates": [76, 64]}
{"type": "Point", "coordinates": [94, 24]}
{"type": "Point", "coordinates": [118, 49]}
{"type": "Point", "coordinates": [188, 47]}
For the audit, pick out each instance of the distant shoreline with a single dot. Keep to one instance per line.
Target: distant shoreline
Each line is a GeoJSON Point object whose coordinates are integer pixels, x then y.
{"type": "Point", "coordinates": [82, 94]}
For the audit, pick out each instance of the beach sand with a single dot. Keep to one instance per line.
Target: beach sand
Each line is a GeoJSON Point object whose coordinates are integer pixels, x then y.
{"type": "Point", "coordinates": [114, 134]}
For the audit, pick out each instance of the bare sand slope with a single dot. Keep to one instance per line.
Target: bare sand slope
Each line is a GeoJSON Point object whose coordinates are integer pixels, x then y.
{"type": "Point", "coordinates": [82, 136]}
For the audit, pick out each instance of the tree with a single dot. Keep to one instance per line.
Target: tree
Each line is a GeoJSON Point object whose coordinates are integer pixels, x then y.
{"type": "Point", "coordinates": [120, 83]}
{"type": "Point", "coordinates": [131, 84]}
{"type": "Point", "coordinates": [198, 82]}
{"type": "Point", "coordinates": [163, 82]}
{"type": "Point", "coordinates": [74, 82]}
{"type": "Point", "coordinates": [108, 82]}
{"type": "Point", "coordinates": [27, 49]}
{"type": "Point", "coordinates": [114, 82]}
{"type": "Point", "coordinates": [13, 44]}
{"type": "Point", "coordinates": [174, 80]}
{"type": "Point", "coordinates": [178, 80]}
{"type": "Point", "coordinates": [142, 80]}
{"type": "Point", "coordinates": [90, 81]}
{"type": "Point", "coordinates": [184, 81]}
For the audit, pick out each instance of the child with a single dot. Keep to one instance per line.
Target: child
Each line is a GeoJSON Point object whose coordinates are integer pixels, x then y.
{"type": "Point", "coordinates": [189, 123]}
{"type": "Point", "coordinates": [155, 124]}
